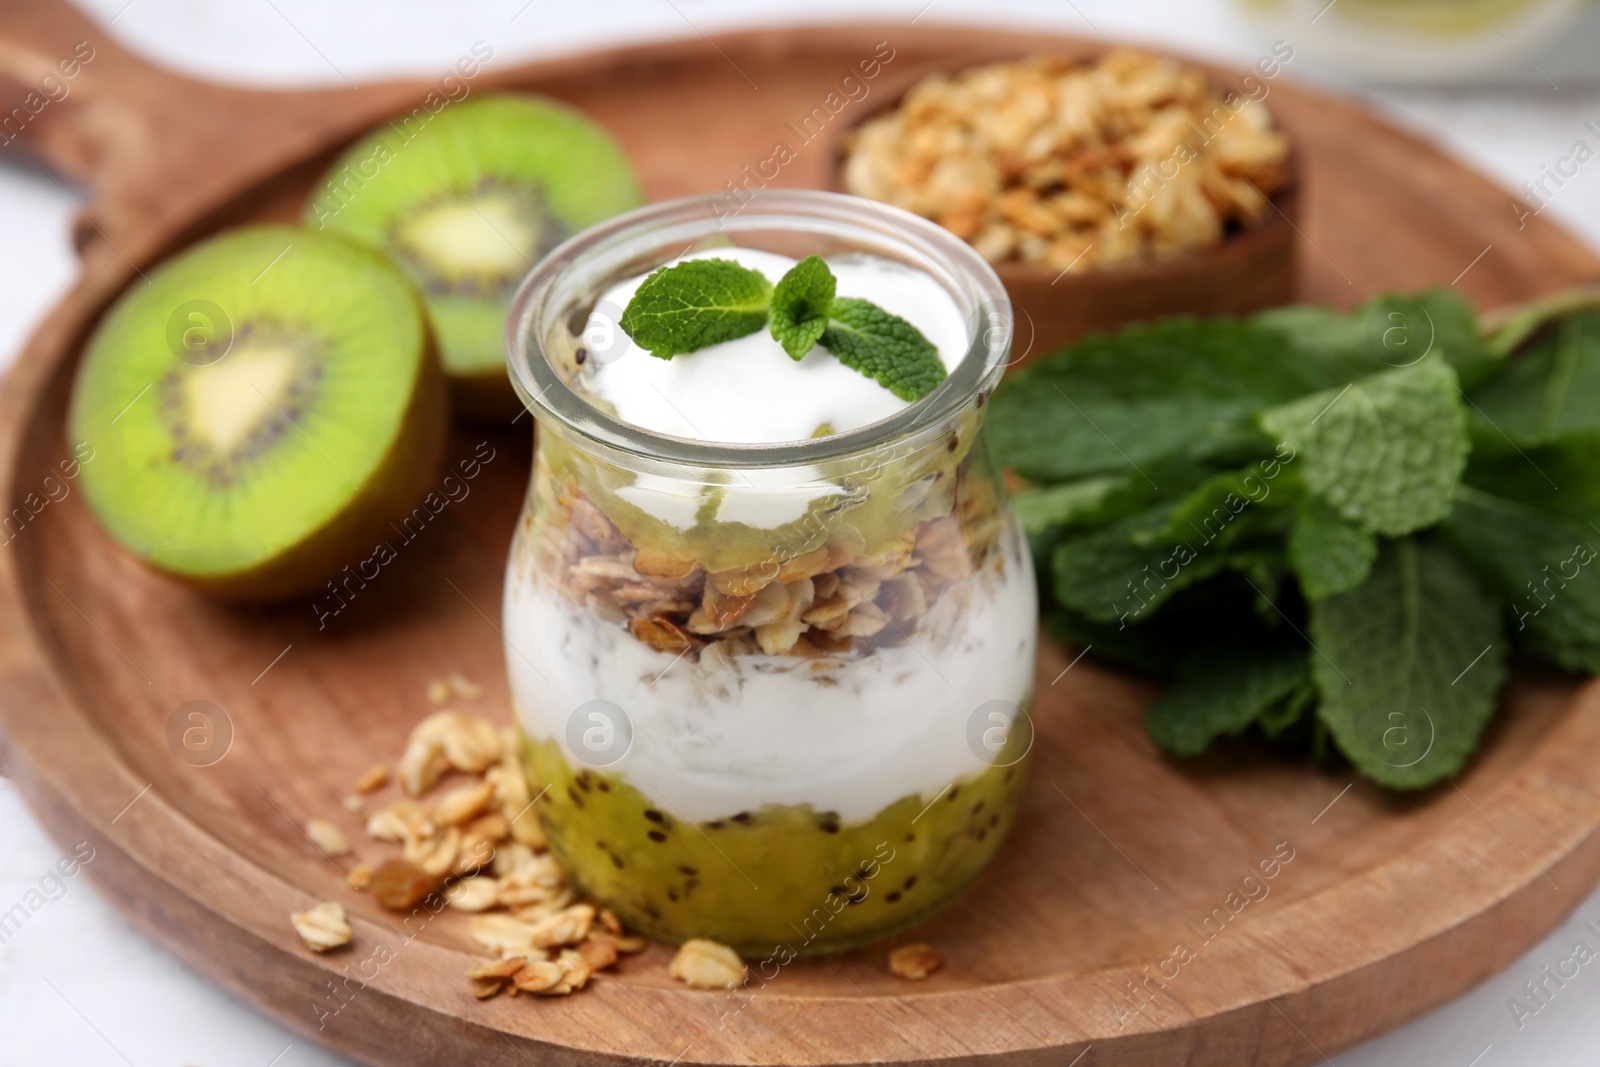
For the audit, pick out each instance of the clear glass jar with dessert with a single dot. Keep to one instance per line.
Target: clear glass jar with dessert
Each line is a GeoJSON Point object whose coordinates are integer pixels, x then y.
{"type": "Point", "coordinates": [770, 627]}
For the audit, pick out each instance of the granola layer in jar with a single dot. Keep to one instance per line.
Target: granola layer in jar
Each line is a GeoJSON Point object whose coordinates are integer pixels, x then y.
{"type": "Point", "coordinates": [772, 693]}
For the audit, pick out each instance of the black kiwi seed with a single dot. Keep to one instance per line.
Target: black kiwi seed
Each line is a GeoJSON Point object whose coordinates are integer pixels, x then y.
{"type": "Point", "coordinates": [911, 837]}
{"type": "Point", "coordinates": [603, 786]}
{"type": "Point", "coordinates": [743, 818]}
{"type": "Point", "coordinates": [716, 824]}
{"type": "Point", "coordinates": [672, 895]}
{"type": "Point", "coordinates": [655, 816]}
{"type": "Point", "coordinates": [686, 869]}
{"type": "Point", "coordinates": [580, 355]}
{"type": "Point", "coordinates": [983, 833]}
{"type": "Point", "coordinates": [616, 861]}
{"type": "Point", "coordinates": [828, 826]}
{"type": "Point", "coordinates": [994, 820]}
{"type": "Point", "coordinates": [977, 807]}
{"type": "Point", "coordinates": [893, 897]}
{"type": "Point", "coordinates": [657, 836]}
{"type": "Point", "coordinates": [954, 792]}
{"type": "Point", "coordinates": [910, 882]}
{"type": "Point", "coordinates": [955, 443]}
{"type": "Point", "coordinates": [573, 794]}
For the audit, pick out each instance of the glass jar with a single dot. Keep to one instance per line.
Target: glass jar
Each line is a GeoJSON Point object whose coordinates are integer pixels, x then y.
{"type": "Point", "coordinates": [772, 695]}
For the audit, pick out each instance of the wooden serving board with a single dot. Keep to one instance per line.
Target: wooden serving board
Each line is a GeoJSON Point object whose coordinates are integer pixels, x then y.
{"type": "Point", "coordinates": [1387, 907]}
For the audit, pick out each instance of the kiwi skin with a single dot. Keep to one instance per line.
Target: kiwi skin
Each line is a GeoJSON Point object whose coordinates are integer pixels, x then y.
{"type": "Point", "coordinates": [488, 398]}
{"type": "Point", "coordinates": [401, 480]}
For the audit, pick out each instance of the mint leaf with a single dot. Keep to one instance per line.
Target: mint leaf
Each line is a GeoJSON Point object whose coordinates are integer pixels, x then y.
{"type": "Point", "coordinates": [800, 306]}
{"type": "Point", "coordinates": [1175, 388]}
{"type": "Point", "coordinates": [1109, 575]}
{"type": "Point", "coordinates": [1067, 504]}
{"type": "Point", "coordinates": [696, 304]}
{"type": "Point", "coordinates": [1327, 554]}
{"type": "Point", "coordinates": [884, 347]}
{"type": "Point", "coordinates": [1226, 696]}
{"type": "Point", "coordinates": [1546, 567]}
{"type": "Point", "coordinates": [1386, 451]}
{"type": "Point", "coordinates": [1230, 505]}
{"type": "Point", "coordinates": [1388, 333]}
{"type": "Point", "coordinates": [1408, 665]}
{"type": "Point", "coordinates": [1551, 391]}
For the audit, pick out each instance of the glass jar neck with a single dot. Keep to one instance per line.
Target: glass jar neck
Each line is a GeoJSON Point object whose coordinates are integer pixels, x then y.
{"type": "Point", "coordinates": [552, 306]}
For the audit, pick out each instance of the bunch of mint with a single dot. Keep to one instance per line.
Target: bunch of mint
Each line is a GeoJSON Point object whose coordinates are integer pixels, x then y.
{"type": "Point", "coordinates": [1326, 529]}
{"type": "Point", "coordinates": [698, 303]}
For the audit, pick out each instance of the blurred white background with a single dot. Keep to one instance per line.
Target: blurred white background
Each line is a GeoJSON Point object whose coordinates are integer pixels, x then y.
{"type": "Point", "coordinates": [79, 986]}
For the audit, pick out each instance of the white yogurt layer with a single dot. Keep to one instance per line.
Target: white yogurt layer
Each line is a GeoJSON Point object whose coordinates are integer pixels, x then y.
{"type": "Point", "coordinates": [748, 391]}
{"type": "Point", "coordinates": [714, 737]}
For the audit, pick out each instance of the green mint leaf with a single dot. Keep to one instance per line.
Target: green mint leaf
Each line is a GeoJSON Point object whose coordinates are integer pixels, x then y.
{"type": "Point", "coordinates": [1385, 451]}
{"type": "Point", "coordinates": [1231, 505]}
{"type": "Point", "coordinates": [1117, 405]}
{"type": "Point", "coordinates": [1328, 554]}
{"type": "Point", "coordinates": [800, 306]}
{"type": "Point", "coordinates": [1068, 504]}
{"type": "Point", "coordinates": [1289, 713]}
{"type": "Point", "coordinates": [1408, 664]}
{"type": "Point", "coordinates": [696, 304]}
{"type": "Point", "coordinates": [1109, 576]}
{"type": "Point", "coordinates": [1388, 333]}
{"type": "Point", "coordinates": [884, 347]}
{"type": "Point", "coordinates": [1544, 564]}
{"type": "Point", "coordinates": [1226, 696]}
{"type": "Point", "coordinates": [1551, 391]}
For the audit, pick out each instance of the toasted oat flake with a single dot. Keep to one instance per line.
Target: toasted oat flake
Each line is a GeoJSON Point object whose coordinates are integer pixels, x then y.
{"type": "Point", "coordinates": [372, 779]}
{"type": "Point", "coordinates": [505, 935]}
{"type": "Point", "coordinates": [462, 803]}
{"type": "Point", "coordinates": [323, 927]}
{"type": "Point", "coordinates": [703, 964]}
{"type": "Point", "coordinates": [914, 961]}
{"type": "Point", "coordinates": [354, 804]}
{"type": "Point", "coordinates": [439, 692]}
{"type": "Point", "coordinates": [566, 927]}
{"type": "Point", "coordinates": [464, 687]}
{"type": "Point", "coordinates": [327, 837]}
{"type": "Point", "coordinates": [436, 855]}
{"type": "Point", "coordinates": [473, 894]}
{"type": "Point", "coordinates": [360, 876]}
{"type": "Point", "coordinates": [505, 968]}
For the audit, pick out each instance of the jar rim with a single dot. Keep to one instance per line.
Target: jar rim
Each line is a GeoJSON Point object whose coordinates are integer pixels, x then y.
{"type": "Point", "coordinates": [674, 223]}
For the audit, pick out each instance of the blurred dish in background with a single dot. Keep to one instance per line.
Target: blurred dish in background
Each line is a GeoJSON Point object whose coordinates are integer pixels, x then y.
{"type": "Point", "coordinates": [1429, 41]}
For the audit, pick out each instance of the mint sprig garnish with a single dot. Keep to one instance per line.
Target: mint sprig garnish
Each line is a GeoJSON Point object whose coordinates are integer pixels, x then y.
{"type": "Point", "coordinates": [696, 304]}
{"type": "Point", "coordinates": [702, 302]}
{"type": "Point", "coordinates": [800, 306]}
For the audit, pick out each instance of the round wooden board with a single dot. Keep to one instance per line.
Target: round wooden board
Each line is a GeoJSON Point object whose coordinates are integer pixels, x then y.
{"type": "Point", "coordinates": [1062, 953]}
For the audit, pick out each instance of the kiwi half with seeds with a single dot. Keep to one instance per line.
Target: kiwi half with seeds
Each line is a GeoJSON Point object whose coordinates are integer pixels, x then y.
{"type": "Point", "coordinates": [260, 411]}
{"type": "Point", "coordinates": [467, 200]}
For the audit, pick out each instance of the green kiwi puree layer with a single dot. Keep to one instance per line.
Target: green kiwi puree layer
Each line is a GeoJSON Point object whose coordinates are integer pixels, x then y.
{"type": "Point", "coordinates": [876, 502]}
{"type": "Point", "coordinates": [779, 874]}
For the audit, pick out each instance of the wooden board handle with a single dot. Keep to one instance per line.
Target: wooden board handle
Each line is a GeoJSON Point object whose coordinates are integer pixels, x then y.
{"type": "Point", "coordinates": [72, 98]}
{"type": "Point", "coordinates": [148, 143]}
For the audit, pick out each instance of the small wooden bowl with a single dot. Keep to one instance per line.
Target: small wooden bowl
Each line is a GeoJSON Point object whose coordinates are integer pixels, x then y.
{"type": "Point", "coordinates": [1252, 268]}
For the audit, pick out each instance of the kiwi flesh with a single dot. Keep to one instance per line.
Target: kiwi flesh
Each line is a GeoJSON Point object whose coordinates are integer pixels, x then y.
{"type": "Point", "coordinates": [260, 411]}
{"type": "Point", "coordinates": [466, 200]}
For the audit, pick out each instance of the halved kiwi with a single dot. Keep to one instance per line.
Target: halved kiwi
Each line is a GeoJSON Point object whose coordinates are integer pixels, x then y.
{"type": "Point", "coordinates": [467, 200]}
{"type": "Point", "coordinates": [260, 411]}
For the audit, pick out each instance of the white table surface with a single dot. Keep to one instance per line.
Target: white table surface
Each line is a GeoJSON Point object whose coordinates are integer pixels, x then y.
{"type": "Point", "coordinates": [79, 986]}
